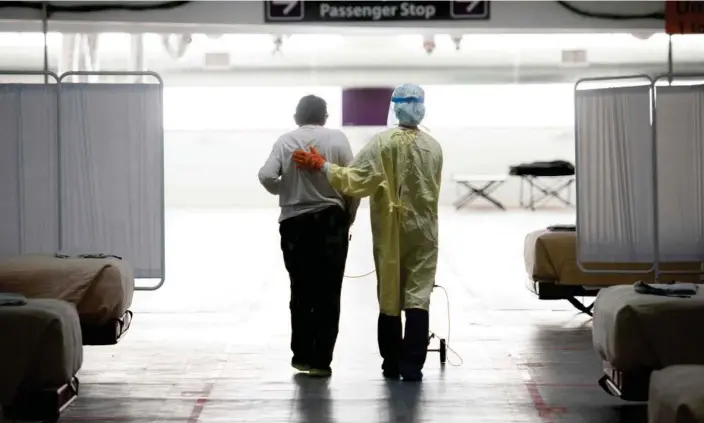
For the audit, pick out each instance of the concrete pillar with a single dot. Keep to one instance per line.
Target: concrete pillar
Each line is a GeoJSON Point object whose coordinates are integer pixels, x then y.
{"type": "Point", "coordinates": [89, 45]}
{"type": "Point", "coordinates": [67, 59]}
{"type": "Point", "coordinates": [137, 55]}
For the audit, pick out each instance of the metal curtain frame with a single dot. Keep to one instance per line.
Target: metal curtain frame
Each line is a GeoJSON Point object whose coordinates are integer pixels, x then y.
{"type": "Point", "coordinates": [670, 77]}
{"type": "Point", "coordinates": [162, 199]}
{"type": "Point", "coordinates": [20, 151]}
{"type": "Point", "coordinates": [648, 81]}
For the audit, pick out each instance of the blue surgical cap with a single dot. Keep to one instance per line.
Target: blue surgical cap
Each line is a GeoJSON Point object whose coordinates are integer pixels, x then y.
{"type": "Point", "coordinates": [409, 104]}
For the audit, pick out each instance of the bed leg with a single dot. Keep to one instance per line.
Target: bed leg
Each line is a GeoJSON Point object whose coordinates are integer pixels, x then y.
{"type": "Point", "coordinates": [580, 306]}
{"type": "Point", "coordinates": [608, 386]}
{"type": "Point", "coordinates": [44, 406]}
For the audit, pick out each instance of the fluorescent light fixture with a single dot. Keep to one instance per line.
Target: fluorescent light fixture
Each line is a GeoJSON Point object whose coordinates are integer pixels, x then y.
{"type": "Point", "coordinates": [313, 43]}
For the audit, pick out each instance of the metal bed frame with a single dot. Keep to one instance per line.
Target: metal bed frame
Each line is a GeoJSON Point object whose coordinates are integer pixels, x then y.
{"type": "Point", "coordinates": [545, 191]}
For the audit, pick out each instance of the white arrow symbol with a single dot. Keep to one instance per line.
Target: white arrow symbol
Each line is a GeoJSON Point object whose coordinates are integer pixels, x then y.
{"type": "Point", "coordinates": [471, 6]}
{"type": "Point", "coordinates": [288, 3]}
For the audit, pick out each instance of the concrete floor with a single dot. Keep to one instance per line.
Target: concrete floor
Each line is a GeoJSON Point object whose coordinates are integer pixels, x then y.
{"type": "Point", "coordinates": [212, 344]}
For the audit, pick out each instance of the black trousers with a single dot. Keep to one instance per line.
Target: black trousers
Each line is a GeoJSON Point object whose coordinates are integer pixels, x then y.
{"type": "Point", "coordinates": [315, 251]}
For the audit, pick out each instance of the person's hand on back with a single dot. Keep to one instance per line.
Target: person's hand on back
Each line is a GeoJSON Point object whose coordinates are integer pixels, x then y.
{"type": "Point", "coordinates": [309, 159]}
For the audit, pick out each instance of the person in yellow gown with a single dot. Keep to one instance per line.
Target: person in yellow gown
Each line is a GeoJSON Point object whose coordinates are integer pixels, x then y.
{"type": "Point", "coordinates": [400, 169]}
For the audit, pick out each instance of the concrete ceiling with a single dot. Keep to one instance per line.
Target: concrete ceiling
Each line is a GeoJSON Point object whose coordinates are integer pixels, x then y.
{"type": "Point", "coordinates": [238, 52]}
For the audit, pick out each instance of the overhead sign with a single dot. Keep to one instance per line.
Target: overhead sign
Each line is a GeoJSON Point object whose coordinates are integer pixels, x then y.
{"type": "Point", "coordinates": [283, 11]}
{"type": "Point", "coordinates": [684, 17]}
{"type": "Point", "coordinates": [373, 11]}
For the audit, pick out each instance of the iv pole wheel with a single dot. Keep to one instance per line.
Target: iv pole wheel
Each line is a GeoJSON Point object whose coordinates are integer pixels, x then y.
{"type": "Point", "coordinates": [443, 351]}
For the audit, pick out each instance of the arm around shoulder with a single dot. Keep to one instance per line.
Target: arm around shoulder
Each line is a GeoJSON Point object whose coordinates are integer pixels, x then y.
{"type": "Point", "coordinates": [362, 175]}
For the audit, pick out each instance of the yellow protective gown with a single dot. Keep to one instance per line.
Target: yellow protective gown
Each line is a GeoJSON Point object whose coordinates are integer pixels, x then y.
{"type": "Point", "coordinates": [401, 170]}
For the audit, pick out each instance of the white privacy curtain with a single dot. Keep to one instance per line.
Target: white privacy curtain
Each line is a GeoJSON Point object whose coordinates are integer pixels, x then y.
{"type": "Point", "coordinates": [615, 218]}
{"type": "Point", "coordinates": [112, 173]}
{"type": "Point", "coordinates": [28, 169]}
{"type": "Point", "coordinates": [680, 134]}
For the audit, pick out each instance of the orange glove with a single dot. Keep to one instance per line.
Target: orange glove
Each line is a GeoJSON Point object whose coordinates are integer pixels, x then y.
{"type": "Point", "coordinates": [309, 159]}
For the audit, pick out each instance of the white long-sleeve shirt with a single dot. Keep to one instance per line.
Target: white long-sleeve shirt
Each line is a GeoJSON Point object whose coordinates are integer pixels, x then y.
{"type": "Point", "coordinates": [303, 191]}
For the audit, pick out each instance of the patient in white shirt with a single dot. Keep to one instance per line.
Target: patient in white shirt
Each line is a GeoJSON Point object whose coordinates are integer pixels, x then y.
{"type": "Point", "coordinates": [314, 225]}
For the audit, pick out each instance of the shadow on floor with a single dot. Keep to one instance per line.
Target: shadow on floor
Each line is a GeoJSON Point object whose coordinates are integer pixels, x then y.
{"type": "Point", "coordinates": [313, 403]}
{"type": "Point", "coordinates": [398, 402]}
{"type": "Point", "coordinates": [403, 400]}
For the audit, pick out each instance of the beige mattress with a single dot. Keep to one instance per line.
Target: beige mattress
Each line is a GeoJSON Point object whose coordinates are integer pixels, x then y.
{"type": "Point", "coordinates": [101, 289]}
{"type": "Point", "coordinates": [552, 257]}
{"type": "Point", "coordinates": [40, 346]}
{"type": "Point", "coordinates": [636, 331]}
{"type": "Point", "coordinates": [677, 395]}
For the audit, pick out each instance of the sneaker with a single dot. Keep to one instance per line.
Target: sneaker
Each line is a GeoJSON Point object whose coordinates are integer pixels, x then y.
{"type": "Point", "coordinates": [300, 367]}
{"type": "Point", "coordinates": [320, 372]}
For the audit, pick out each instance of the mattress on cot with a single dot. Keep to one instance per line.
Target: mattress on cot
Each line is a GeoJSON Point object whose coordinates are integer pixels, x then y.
{"type": "Point", "coordinates": [635, 332]}
{"type": "Point", "coordinates": [101, 289]}
{"type": "Point", "coordinates": [543, 169]}
{"type": "Point", "coordinates": [40, 348]}
{"type": "Point", "coordinates": [677, 395]}
{"type": "Point", "coordinates": [551, 256]}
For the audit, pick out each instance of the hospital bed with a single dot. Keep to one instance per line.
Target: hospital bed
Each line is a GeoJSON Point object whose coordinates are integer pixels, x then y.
{"type": "Point", "coordinates": [635, 334]}
{"type": "Point", "coordinates": [100, 288]}
{"type": "Point", "coordinates": [550, 257]}
{"type": "Point", "coordinates": [677, 395]}
{"type": "Point", "coordinates": [40, 354]}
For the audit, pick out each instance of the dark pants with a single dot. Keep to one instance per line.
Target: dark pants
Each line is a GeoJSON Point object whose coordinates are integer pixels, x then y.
{"type": "Point", "coordinates": [315, 250]}
{"type": "Point", "coordinates": [404, 354]}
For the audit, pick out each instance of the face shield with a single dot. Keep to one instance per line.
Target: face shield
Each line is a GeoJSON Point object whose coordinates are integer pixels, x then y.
{"type": "Point", "coordinates": [392, 120]}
